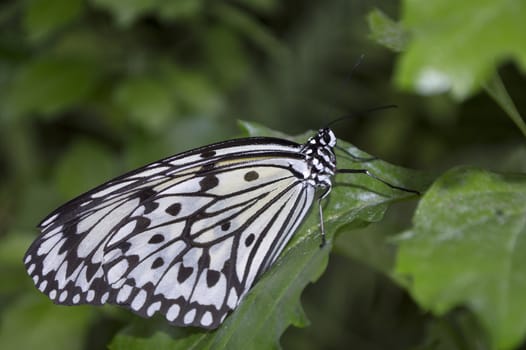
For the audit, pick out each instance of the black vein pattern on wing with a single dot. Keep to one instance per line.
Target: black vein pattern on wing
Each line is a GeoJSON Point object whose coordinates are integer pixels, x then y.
{"type": "Point", "coordinates": [292, 222]}
{"type": "Point", "coordinates": [240, 286]}
{"type": "Point", "coordinates": [70, 230]}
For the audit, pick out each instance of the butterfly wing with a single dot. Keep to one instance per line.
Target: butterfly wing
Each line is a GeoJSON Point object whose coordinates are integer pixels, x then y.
{"type": "Point", "coordinates": [186, 236]}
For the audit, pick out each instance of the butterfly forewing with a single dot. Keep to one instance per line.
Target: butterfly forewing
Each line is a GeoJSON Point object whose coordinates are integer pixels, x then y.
{"type": "Point", "coordinates": [186, 236]}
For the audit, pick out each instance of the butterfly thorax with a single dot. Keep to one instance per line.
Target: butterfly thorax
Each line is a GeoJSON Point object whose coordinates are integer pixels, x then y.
{"type": "Point", "coordinates": [319, 153]}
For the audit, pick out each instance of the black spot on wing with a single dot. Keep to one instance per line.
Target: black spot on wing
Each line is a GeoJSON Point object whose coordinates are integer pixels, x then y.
{"type": "Point", "coordinates": [157, 263]}
{"type": "Point", "coordinates": [142, 224]}
{"type": "Point", "coordinates": [184, 273]}
{"type": "Point", "coordinates": [124, 246]}
{"type": "Point", "coordinates": [157, 238]}
{"type": "Point", "coordinates": [174, 209]}
{"type": "Point", "coordinates": [208, 182]}
{"type": "Point", "coordinates": [212, 276]}
{"type": "Point", "coordinates": [250, 239]}
{"type": "Point", "coordinates": [251, 176]}
{"type": "Point", "coordinates": [225, 226]}
{"type": "Point", "coordinates": [150, 206]}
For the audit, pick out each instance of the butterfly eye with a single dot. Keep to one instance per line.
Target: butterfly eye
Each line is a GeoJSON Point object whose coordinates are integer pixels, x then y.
{"type": "Point", "coordinates": [329, 138]}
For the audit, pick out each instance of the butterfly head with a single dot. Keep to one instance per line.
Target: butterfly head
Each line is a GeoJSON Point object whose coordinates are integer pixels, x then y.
{"type": "Point", "coordinates": [326, 137]}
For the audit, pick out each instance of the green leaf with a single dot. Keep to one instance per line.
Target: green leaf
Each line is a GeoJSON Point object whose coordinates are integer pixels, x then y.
{"type": "Point", "coordinates": [50, 85]}
{"type": "Point", "coordinates": [43, 17]}
{"type": "Point", "coordinates": [373, 244]}
{"type": "Point", "coordinates": [274, 302]}
{"type": "Point", "coordinates": [457, 45]}
{"type": "Point", "coordinates": [34, 322]}
{"type": "Point", "coordinates": [146, 101]}
{"type": "Point", "coordinates": [468, 247]}
{"type": "Point", "coordinates": [387, 32]}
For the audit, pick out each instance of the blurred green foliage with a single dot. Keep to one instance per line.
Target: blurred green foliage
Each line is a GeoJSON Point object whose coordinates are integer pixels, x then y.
{"type": "Point", "coordinates": [466, 47]}
{"type": "Point", "coordinates": [90, 89]}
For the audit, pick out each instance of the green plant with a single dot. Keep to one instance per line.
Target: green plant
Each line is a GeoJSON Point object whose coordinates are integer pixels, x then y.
{"type": "Point", "coordinates": [91, 89]}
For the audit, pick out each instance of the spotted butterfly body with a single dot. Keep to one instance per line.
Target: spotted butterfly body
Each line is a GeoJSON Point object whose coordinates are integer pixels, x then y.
{"type": "Point", "coordinates": [186, 236]}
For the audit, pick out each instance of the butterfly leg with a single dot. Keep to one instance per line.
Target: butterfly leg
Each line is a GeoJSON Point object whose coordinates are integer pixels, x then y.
{"type": "Point", "coordinates": [320, 211]}
{"type": "Point", "coordinates": [322, 227]}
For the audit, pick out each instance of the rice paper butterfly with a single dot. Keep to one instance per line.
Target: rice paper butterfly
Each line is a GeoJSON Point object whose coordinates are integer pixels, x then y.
{"type": "Point", "coordinates": [186, 236]}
